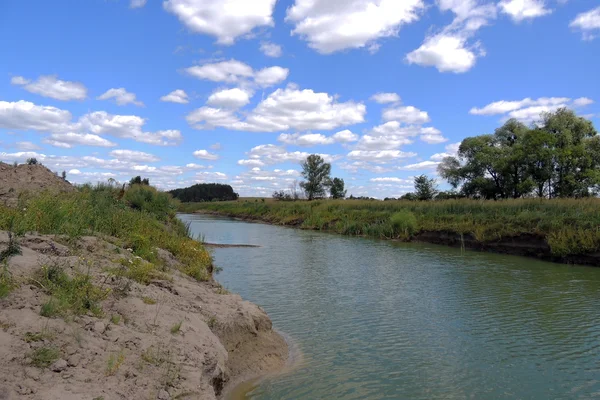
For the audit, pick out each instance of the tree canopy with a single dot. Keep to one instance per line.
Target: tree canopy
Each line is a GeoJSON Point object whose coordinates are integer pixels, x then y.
{"type": "Point", "coordinates": [337, 190]}
{"type": "Point", "coordinates": [558, 157]}
{"type": "Point", "coordinates": [205, 192]}
{"type": "Point", "coordinates": [316, 172]}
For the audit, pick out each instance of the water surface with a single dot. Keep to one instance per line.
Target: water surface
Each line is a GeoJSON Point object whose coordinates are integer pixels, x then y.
{"type": "Point", "coordinates": [382, 320]}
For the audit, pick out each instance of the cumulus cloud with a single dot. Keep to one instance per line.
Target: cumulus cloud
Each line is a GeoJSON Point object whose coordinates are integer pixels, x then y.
{"type": "Point", "coordinates": [393, 180]}
{"type": "Point", "coordinates": [451, 49]}
{"type": "Point", "coordinates": [205, 155]}
{"type": "Point", "coordinates": [70, 139]}
{"type": "Point", "coordinates": [137, 3]}
{"type": "Point", "coordinates": [282, 110]}
{"type": "Point", "coordinates": [26, 146]}
{"type": "Point", "coordinates": [133, 155]}
{"type": "Point", "coordinates": [24, 115]}
{"type": "Point", "coordinates": [271, 49]}
{"type": "Point", "coordinates": [421, 166]}
{"type": "Point", "coordinates": [451, 151]}
{"type": "Point", "coordinates": [307, 140]}
{"type": "Point", "coordinates": [120, 96]}
{"type": "Point", "coordinates": [406, 114]}
{"type": "Point", "coordinates": [520, 10]}
{"type": "Point", "coordinates": [588, 23]}
{"type": "Point", "coordinates": [383, 98]}
{"type": "Point", "coordinates": [270, 154]}
{"type": "Point", "coordinates": [226, 20]}
{"type": "Point", "coordinates": [176, 96]}
{"type": "Point", "coordinates": [378, 157]}
{"type": "Point", "coordinates": [330, 26]}
{"type": "Point", "coordinates": [345, 136]}
{"type": "Point", "coordinates": [229, 98]}
{"type": "Point", "coordinates": [51, 86]}
{"type": "Point", "coordinates": [233, 71]}
{"type": "Point", "coordinates": [528, 109]}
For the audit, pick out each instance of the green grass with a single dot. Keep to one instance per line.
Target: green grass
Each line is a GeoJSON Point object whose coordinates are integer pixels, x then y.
{"type": "Point", "coordinates": [7, 282]}
{"type": "Point", "coordinates": [43, 357]}
{"type": "Point", "coordinates": [113, 363]}
{"type": "Point", "coordinates": [148, 300]}
{"type": "Point", "coordinates": [175, 329]}
{"type": "Point", "coordinates": [142, 217]}
{"type": "Point", "coordinates": [570, 226]}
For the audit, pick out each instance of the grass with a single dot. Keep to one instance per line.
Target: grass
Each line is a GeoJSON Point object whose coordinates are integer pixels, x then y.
{"type": "Point", "coordinates": [7, 282]}
{"type": "Point", "coordinates": [115, 319]}
{"type": "Point", "coordinates": [75, 295]}
{"type": "Point", "coordinates": [113, 363]}
{"type": "Point", "coordinates": [569, 226]}
{"type": "Point", "coordinates": [148, 300]}
{"type": "Point", "coordinates": [143, 218]}
{"type": "Point", "coordinates": [175, 329]}
{"type": "Point", "coordinates": [43, 357]}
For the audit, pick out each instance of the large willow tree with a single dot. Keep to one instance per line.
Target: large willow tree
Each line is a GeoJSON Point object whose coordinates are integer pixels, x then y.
{"type": "Point", "coordinates": [558, 157]}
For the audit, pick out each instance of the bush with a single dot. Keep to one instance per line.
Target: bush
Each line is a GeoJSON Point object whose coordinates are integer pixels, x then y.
{"type": "Point", "coordinates": [147, 198]}
{"type": "Point", "coordinates": [404, 223]}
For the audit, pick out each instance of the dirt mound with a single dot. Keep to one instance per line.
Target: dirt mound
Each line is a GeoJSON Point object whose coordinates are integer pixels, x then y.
{"type": "Point", "coordinates": [28, 178]}
{"type": "Point", "coordinates": [170, 338]}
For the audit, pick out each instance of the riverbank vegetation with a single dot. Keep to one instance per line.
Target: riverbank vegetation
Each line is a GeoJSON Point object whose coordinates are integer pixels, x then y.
{"type": "Point", "coordinates": [205, 192]}
{"type": "Point", "coordinates": [139, 216]}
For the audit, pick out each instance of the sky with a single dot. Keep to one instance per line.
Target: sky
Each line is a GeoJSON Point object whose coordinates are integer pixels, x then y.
{"type": "Point", "coordinates": [240, 91]}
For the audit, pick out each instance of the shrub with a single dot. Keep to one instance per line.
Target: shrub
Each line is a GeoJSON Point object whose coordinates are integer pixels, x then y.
{"type": "Point", "coordinates": [404, 223]}
{"type": "Point", "coordinates": [44, 356]}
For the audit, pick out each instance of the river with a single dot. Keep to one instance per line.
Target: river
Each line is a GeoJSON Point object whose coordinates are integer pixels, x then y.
{"type": "Point", "coordinates": [383, 320]}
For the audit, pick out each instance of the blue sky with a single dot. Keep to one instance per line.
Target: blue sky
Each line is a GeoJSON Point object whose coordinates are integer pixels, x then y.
{"type": "Point", "coordinates": [239, 91]}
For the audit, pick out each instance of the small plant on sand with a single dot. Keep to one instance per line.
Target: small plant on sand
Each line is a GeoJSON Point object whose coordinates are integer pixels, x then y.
{"type": "Point", "coordinates": [139, 270]}
{"type": "Point", "coordinates": [156, 355]}
{"type": "Point", "coordinates": [44, 356]}
{"type": "Point", "coordinates": [148, 300]}
{"type": "Point", "coordinates": [114, 362]}
{"type": "Point", "coordinates": [12, 249]}
{"type": "Point", "coordinates": [175, 329]}
{"type": "Point", "coordinates": [212, 322]}
{"type": "Point", "coordinates": [45, 334]}
{"type": "Point", "coordinates": [76, 295]}
{"type": "Point", "coordinates": [7, 283]}
{"type": "Point", "coordinates": [115, 319]}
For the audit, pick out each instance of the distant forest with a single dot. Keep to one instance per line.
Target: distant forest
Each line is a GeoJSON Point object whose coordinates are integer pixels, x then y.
{"type": "Point", "coordinates": [205, 192]}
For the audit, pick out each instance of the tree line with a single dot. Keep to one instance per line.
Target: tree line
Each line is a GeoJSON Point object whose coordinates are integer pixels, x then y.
{"type": "Point", "coordinates": [556, 157]}
{"type": "Point", "coordinates": [205, 192]}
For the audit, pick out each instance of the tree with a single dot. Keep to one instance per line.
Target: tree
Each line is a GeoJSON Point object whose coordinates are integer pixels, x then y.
{"type": "Point", "coordinates": [337, 189]}
{"type": "Point", "coordinates": [32, 161]}
{"type": "Point", "coordinates": [205, 192]}
{"type": "Point", "coordinates": [64, 175]}
{"type": "Point", "coordinates": [425, 188]}
{"type": "Point", "coordinates": [294, 192]}
{"type": "Point", "coordinates": [139, 181]}
{"type": "Point", "coordinates": [316, 172]}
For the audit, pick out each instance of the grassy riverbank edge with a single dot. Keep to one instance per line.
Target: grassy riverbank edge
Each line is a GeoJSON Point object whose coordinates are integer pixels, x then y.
{"type": "Point", "coordinates": [118, 267]}
{"type": "Point", "coordinates": [564, 231]}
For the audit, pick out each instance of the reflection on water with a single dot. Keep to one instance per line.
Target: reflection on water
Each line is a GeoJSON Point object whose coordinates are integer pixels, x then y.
{"type": "Point", "coordinates": [382, 320]}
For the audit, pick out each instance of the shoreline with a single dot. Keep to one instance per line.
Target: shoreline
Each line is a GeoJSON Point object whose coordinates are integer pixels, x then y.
{"type": "Point", "coordinates": [523, 245]}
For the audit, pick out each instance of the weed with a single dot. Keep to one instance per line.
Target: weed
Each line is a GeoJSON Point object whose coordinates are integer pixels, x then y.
{"type": "Point", "coordinates": [114, 362]}
{"type": "Point", "coordinates": [156, 356]}
{"type": "Point", "coordinates": [45, 334]}
{"type": "Point", "coordinates": [6, 325]}
{"type": "Point", "coordinates": [222, 290]}
{"type": "Point", "coordinates": [212, 322]}
{"type": "Point", "coordinates": [44, 356]}
{"type": "Point", "coordinates": [12, 249]}
{"type": "Point", "coordinates": [404, 223]}
{"type": "Point", "coordinates": [7, 283]}
{"type": "Point", "coordinates": [148, 300]}
{"type": "Point", "coordinates": [115, 319]}
{"type": "Point", "coordinates": [175, 329]}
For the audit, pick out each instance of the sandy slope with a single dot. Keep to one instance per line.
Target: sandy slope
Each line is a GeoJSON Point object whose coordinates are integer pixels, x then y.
{"type": "Point", "coordinates": [222, 339]}
{"type": "Point", "coordinates": [27, 178]}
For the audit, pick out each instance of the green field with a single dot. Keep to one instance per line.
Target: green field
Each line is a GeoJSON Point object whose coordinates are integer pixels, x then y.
{"type": "Point", "coordinates": [569, 226]}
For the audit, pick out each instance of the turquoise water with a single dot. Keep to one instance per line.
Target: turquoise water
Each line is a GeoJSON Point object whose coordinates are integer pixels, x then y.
{"type": "Point", "coordinates": [382, 320]}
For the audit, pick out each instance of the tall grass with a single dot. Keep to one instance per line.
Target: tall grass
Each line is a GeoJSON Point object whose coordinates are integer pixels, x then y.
{"type": "Point", "coordinates": [142, 217]}
{"type": "Point", "coordinates": [570, 226]}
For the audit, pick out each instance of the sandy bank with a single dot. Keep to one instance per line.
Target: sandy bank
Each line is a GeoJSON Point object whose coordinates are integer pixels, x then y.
{"type": "Point", "coordinates": [172, 338]}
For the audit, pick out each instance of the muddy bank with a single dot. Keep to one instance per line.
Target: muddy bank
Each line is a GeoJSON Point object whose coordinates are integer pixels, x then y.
{"type": "Point", "coordinates": [227, 246]}
{"type": "Point", "coordinates": [171, 338]}
{"type": "Point", "coordinates": [526, 245]}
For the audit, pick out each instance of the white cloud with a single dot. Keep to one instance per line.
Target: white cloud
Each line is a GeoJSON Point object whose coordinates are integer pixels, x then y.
{"type": "Point", "coordinates": [51, 86]}
{"type": "Point", "coordinates": [133, 156]}
{"type": "Point", "coordinates": [345, 136]}
{"type": "Point", "coordinates": [137, 3]}
{"type": "Point", "coordinates": [70, 139]}
{"type": "Point", "coordinates": [205, 176]}
{"type": "Point", "coordinates": [282, 110]}
{"type": "Point", "coordinates": [271, 49]}
{"type": "Point", "coordinates": [27, 146]}
{"type": "Point", "coordinates": [120, 96]}
{"type": "Point", "coordinates": [406, 114]}
{"type": "Point", "coordinates": [433, 138]}
{"type": "Point", "coordinates": [588, 23]}
{"type": "Point", "coordinates": [251, 163]}
{"type": "Point", "coordinates": [307, 140]}
{"type": "Point", "coordinates": [270, 154]}
{"type": "Point", "coordinates": [226, 20]}
{"type": "Point", "coordinates": [502, 106]}
{"type": "Point", "coordinates": [582, 102]}
{"type": "Point", "coordinates": [176, 96]}
{"type": "Point", "coordinates": [451, 151]}
{"type": "Point", "coordinates": [383, 98]}
{"type": "Point", "coordinates": [330, 26]}
{"type": "Point", "coordinates": [271, 76]}
{"type": "Point", "coordinates": [424, 165]}
{"type": "Point", "coordinates": [450, 49]}
{"type": "Point", "coordinates": [446, 52]}
{"type": "Point", "coordinates": [24, 115]}
{"type": "Point", "coordinates": [520, 10]}
{"type": "Point", "coordinates": [229, 98]}
{"type": "Point", "coordinates": [393, 180]}
{"type": "Point", "coordinates": [382, 156]}
{"type": "Point", "coordinates": [205, 155]}
{"type": "Point", "coordinates": [233, 71]}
